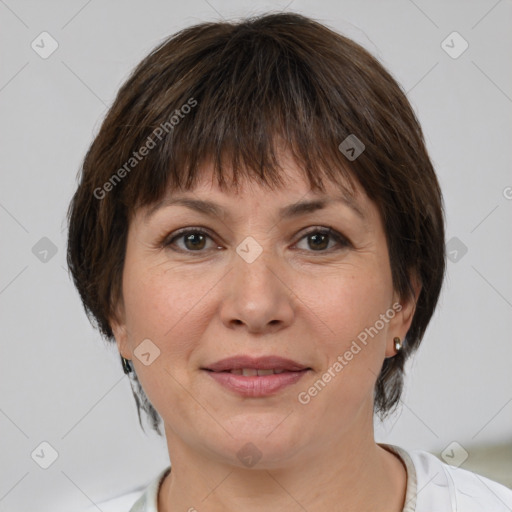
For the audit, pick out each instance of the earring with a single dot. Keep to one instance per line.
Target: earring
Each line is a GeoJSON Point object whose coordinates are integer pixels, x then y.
{"type": "Point", "coordinates": [127, 367]}
{"type": "Point", "coordinates": [398, 344]}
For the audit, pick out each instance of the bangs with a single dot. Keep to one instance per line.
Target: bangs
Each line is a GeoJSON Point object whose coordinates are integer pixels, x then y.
{"type": "Point", "coordinates": [250, 97]}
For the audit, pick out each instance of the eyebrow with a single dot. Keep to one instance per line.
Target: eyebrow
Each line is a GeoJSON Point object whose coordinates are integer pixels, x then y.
{"type": "Point", "coordinates": [287, 212]}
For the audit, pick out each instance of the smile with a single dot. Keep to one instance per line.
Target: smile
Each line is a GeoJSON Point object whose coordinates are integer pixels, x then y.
{"type": "Point", "coordinates": [256, 376]}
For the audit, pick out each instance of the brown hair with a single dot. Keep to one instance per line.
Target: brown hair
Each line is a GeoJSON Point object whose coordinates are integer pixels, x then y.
{"type": "Point", "coordinates": [229, 93]}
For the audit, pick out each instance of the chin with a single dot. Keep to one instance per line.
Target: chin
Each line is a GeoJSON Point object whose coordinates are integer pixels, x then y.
{"type": "Point", "coordinates": [262, 441]}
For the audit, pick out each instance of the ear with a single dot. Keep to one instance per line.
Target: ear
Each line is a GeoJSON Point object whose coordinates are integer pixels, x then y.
{"type": "Point", "coordinates": [120, 331]}
{"type": "Point", "coordinates": [402, 320]}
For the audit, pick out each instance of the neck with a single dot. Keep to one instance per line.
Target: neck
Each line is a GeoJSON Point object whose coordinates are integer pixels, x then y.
{"type": "Point", "coordinates": [353, 473]}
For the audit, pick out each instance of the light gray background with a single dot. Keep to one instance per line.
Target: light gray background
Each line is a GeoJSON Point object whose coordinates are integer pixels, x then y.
{"type": "Point", "coordinates": [60, 384]}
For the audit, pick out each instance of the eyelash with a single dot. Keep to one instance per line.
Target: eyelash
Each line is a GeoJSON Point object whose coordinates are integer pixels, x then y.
{"type": "Point", "coordinates": [343, 242]}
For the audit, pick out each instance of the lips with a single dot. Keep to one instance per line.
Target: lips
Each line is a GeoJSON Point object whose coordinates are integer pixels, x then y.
{"type": "Point", "coordinates": [249, 365]}
{"type": "Point", "coordinates": [256, 377]}
{"type": "Point", "coordinates": [252, 372]}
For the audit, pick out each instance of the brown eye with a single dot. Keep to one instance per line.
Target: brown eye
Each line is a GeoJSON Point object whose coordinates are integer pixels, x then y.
{"type": "Point", "coordinates": [193, 240]}
{"type": "Point", "coordinates": [318, 240]}
{"type": "Point", "coordinates": [196, 240]}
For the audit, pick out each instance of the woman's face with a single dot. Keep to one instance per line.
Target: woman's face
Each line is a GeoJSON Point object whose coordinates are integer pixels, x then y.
{"type": "Point", "coordinates": [261, 281]}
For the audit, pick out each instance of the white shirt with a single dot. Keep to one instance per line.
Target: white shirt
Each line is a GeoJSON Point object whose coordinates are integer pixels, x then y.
{"type": "Point", "coordinates": [432, 486]}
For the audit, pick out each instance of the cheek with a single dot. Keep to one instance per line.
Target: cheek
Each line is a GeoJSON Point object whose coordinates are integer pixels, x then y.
{"type": "Point", "coordinates": [154, 302]}
{"type": "Point", "coordinates": [162, 310]}
{"type": "Point", "coordinates": [166, 305]}
{"type": "Point", "coordinates": [345, 303]}
{"type": "Point", "coordinates": [347, 307]}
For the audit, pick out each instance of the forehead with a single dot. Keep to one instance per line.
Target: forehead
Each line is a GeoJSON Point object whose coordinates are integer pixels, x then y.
{"type": "Point", "coordinates": [293, 198]}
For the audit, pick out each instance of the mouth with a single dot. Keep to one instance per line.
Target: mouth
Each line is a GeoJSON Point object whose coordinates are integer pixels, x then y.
{"type": "Point", "coordinates": [256, 377]}
{"type": "Point", "coordinates": [253, 372]}
{"type": "Point", "coordinates": [260, 365]}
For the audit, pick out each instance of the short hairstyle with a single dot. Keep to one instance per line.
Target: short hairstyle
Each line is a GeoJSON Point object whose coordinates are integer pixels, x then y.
{"type": "Point", "coordinates": [230, 93]}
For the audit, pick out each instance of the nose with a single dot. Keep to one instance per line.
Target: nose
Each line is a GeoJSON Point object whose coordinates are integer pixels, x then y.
{"type": "Point", "coordinates": [257, 297]}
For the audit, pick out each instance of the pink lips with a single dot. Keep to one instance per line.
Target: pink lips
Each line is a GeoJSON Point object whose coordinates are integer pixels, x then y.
{"type": "Point", "coordinates": [256, 385]}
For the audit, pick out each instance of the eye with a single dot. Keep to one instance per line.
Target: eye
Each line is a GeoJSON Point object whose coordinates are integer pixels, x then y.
{"type": "Point", "coordinates": [319, 238]}
{"type": "Point", "coordinates": [194, 240]}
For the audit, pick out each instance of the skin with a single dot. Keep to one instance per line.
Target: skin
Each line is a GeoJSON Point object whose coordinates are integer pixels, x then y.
{"type": "Point", "coordinates": [296, 301]}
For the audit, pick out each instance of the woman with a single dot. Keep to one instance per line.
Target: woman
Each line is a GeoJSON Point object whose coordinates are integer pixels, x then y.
{"type": "Point", "coordinates": [259, 228]}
